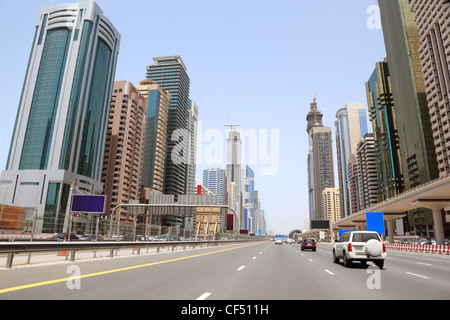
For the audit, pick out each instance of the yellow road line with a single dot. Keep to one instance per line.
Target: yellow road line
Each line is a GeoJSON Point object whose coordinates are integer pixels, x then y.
{"type": "Point", "coordinates": [44, 283]}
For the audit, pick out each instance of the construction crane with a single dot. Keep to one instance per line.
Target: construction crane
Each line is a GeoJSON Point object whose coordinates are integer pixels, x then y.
{"type": "Point", "coordinates": [232, 126]}
{"type": "Point", "coordinates": [315, 107]}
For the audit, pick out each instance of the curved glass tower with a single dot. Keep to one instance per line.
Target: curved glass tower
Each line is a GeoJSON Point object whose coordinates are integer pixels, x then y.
{"type": "Point", "coordinates": [60, 129]}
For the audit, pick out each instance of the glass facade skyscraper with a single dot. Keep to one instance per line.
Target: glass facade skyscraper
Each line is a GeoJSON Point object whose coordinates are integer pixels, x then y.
{"type": "Point", "coordinates": [170, 73]}
{"type": "Point", "coordinates": [350, 128]}
{"type": "Point", "coordinates": [215, 180]}
{"type": "Point", "coordinates": [383, 117]}
{"type": "Point", "coordinates": [60, 129]}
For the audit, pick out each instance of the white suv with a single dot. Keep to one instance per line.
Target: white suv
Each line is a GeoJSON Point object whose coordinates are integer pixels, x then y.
{"type": "Point", "coordinates": [360, 246]}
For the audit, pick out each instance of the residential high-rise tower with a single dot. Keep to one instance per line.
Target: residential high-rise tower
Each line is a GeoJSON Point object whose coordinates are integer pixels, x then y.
{"type": "Point", "coordinates": [124, 147]}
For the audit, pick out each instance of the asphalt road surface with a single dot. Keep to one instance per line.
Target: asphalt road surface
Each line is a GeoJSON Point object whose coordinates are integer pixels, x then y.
{"type": "Point", "coordinates": [252, 271]}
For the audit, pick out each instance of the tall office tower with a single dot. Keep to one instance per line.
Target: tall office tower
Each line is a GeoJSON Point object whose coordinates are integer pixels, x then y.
{"type": "Point", "coordinates": [234, 146]}
{"type": "Point", "coordinates": [320, 161]}
{"type": "Point", "coordinates": [433, 18]}
{"type": "Point", "coordinates": [158, 100]}
{"type": "Point", "coordinates": [313, 119]}
{"type": "Point", "coordinates": [248, 199]}
{"type": "Point", "coordinates": [368, 176]}
{"type": "Point", "coordinates": [60, 129]}
{"type": "Point", "coordinates": [353, 182]}
{"type": "Point", "coordinates": [331, 204]}
{"type": "Point", "coordinates": [413, 119]}
{"type": "Point", "coordinates": [385, 132]}
{"type": "Point", "coordinates": [170, 73]}
{"type": "Point", "coordinates": [124, 149]}
{"type": "Point", "coordinates": [350, 126]}
{"type": "Point", "coordinates": [216, 180]}
{"type": "Point", "coordinates": [257, 208]}
{"type": "Point", "coordinates": [192, 147]}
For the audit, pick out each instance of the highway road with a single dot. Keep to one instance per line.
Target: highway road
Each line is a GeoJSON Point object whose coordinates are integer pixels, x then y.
{"type": "Point", "coordinates": [252, 271]}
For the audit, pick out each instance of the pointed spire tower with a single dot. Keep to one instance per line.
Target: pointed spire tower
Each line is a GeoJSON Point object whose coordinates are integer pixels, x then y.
{"type": "Point", "coordinates": [314, 117]}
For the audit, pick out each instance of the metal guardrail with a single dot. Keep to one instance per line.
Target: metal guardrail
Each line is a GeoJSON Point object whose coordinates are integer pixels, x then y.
{"type": "Point", "coordinates": [12, 248]}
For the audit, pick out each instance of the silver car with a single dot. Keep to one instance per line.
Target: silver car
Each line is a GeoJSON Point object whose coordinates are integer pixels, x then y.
{"type": "Point", "coordinates": [360, 246]}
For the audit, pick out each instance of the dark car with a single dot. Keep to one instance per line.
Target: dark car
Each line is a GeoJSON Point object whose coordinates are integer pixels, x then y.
{"type": "Point", "coordinates": [62, 236]}
{"type": "Point", "coordinates": [91, 237]}
{"type": "Point", "coordinates": [134, 238]}
{"type": "Point", "coordinates": [308, 244]}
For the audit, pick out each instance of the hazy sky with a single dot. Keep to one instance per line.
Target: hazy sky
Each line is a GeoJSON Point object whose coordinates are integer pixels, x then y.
{"type": "Point", "coordinates": [252, 62]}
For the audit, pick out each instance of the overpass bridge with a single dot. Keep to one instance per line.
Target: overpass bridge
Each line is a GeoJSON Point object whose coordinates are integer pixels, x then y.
{"type": "Point", "coordinates": [434, 195]}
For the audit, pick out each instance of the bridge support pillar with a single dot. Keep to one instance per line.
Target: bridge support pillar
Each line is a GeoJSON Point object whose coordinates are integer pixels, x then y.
{"type": "Point", "coordinates": [390, 229]}
{"type": "Point", "coordinates": [438, 226]}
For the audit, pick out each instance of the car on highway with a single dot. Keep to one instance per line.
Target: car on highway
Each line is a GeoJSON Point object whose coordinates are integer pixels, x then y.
{"type": "Point", "coordinates": [64, 236]}
{"type": "Point", "coordinates": [134, 238]}
{"type": "Point", "coordinates": [360, 246]}
{"type": "Point", "coordinates": [278, 241]}
{"type": "Point", "coordinates": [289, 241]}
{"type": "Point", "coordinates": [309, 244]}
{"type": "Point", "coordinates": [91, 237]}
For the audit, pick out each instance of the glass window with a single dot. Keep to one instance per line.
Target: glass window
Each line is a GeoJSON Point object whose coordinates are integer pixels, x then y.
{"type": "Point", "coordinates": [43, 109]}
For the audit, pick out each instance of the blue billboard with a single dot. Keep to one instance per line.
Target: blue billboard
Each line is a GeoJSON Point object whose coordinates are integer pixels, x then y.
{"type": "Point", "coordinates": [88, 203]}
{"type": "Point", "coordinates": [375, 222]}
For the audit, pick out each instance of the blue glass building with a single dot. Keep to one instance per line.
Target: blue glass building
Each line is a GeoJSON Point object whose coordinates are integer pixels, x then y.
{"type": "Point", "coordinates": [170, 73]}
{"type": "Point", "coordinates": [60, 129]}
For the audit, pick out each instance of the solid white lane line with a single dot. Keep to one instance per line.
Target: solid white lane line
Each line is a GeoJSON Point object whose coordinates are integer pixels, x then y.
{"type": "Point", "coordinates": [329, 272]}
{"type": "Point", "coordinates": [417, 275]}
{"type": "Point", "coordinates": [425, 264]}
{"type": "Point", "coordinates": [241, 268]}
{"type": "Point", "coordinates": [204, 296]}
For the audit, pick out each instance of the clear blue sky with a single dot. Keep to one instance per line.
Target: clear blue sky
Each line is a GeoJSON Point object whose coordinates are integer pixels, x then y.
{"type": "Point", "coordinates": [250, 62]}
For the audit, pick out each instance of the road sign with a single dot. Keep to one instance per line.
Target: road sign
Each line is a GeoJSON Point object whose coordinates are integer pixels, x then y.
{"type": "Point", "coordinates": [375, 222]}
{"type": "Point", "coordinates": [320, 224]}
{"type": "Point", "coordinates": [88, 203]}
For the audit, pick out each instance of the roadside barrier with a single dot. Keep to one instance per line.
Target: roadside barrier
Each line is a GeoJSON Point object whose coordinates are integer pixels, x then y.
{"type": "Point", "coordinates": [419, 248]}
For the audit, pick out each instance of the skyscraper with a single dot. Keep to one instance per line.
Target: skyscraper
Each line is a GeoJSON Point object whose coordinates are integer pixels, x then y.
{"type": "Point", "coordinates": [216, 180]}
{"type": "Point", "coordinates": [123, 164]}
{"type": "Point", "coordinates": [248, 199]}
{"type": "Point", "coordinates": [192, 147]}
{"type": "Point", "coordinates": [385, 132]}
{"type": "Point", "coordinates": [320, 161]}
{"type": "Point", "coordinates": [413, 119]}
{"type": "Point", "coordinates": [350, 126]}
{"type": "Point", "coordinates": [433, 18]}
{"type": "Point", "coordinates": [368, 186]}
{"type": "Point", "coordinates": [234, 146]}
{"type": "Point", "coordinates": [170, 73]}
{"type": "Point", "coordinates": [331, 204]}
{"type": "Point", "coordinates": [157, 109]}
{"type": "Point", "coordinates": [60, 129]}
